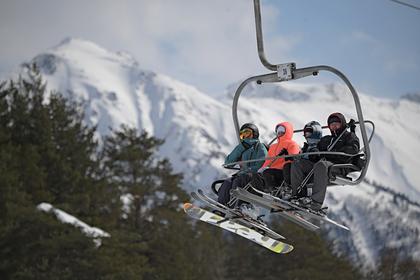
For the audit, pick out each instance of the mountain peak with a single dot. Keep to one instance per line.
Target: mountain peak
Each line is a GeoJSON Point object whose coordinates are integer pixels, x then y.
{"type": "Point", "coordinates": [84, 58]}
{"type": "Point", "coordinates": [78, 43]}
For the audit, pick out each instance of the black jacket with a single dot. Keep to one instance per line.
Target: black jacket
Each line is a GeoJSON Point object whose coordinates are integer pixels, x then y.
{"type": "Point", "coordinates": [348, 143]}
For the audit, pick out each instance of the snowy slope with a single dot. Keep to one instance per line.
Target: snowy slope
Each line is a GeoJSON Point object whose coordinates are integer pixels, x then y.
{"type": "Point", "coordinates": [199, 132]}
{"type": "Point", "coordinates": [115, 91]}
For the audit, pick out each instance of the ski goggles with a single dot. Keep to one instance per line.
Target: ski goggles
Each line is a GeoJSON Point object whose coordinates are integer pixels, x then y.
{"type": "Point", "coordinates": [280, 130]}
{"type": "Point", "coordinates": [245, 133]}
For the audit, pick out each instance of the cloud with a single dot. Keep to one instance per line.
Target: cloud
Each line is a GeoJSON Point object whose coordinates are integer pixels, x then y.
{"type": "Point", "coordinates": [206, 43]}
{"type": "Point", "coordinates": [392, 59]}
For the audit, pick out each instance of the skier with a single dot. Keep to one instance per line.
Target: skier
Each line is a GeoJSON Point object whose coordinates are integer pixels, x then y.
{"type": "Point", "coordinates": [272, 169]}
{"type": "Point", "coordinates": [312, 131]}
{"type": "Point", "coordinates": [346, 142]}
{"type": "Point", "coordinates": [250, 148]}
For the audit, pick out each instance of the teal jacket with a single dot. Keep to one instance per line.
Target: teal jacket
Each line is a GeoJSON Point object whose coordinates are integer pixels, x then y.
{"type": "Point", "coordinates": [248, 149]}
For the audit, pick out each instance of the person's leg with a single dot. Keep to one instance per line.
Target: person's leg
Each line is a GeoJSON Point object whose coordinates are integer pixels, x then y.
{"type": "Point", "coordinates": [298, 172]}
{"type": "Point", "coordinates": [243, 180]}
{"type": "Point", "coordinates": [246, 181]}
{"type": "Point", "coordinates": [286, 173]}
{"type": "Point", "coordinates": [271, 178]}
{"type": "Point", "coordinates": [321, 180]}
{"type": "Point", "coordinates": [224, 191]}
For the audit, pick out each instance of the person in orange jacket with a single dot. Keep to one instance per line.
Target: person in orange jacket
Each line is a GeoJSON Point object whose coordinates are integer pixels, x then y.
{"type": "Point", "coordinates": [272, 169]}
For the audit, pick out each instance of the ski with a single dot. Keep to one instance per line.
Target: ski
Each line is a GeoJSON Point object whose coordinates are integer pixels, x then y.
{"type": "Point", "coordinates": [292, 216]}
{"type": "Point", "coordinates": [239, 229]}
{"type": "Point", "coordinates": [307, 213]}
{"type": "Point", "coordinates": [236, 215]}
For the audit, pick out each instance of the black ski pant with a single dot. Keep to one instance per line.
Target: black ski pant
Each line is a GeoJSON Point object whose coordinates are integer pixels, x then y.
{"type": "Point", "coordinates": [301, 168]}
{"type": "Point", "coordinates": [286, 173]}
{"type": "Point", "coordinates": [273, 178]}
{"type": "Point", "coordinates": [238, 181]}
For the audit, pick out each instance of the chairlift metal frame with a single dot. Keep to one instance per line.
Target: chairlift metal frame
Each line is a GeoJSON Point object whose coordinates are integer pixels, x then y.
{"type": "Point", "coordinates": [288, 71]}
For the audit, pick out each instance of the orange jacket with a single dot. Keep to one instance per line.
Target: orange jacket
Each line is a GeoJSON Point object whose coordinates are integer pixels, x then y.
{"type": "Point", "coordinates": [284, 141]}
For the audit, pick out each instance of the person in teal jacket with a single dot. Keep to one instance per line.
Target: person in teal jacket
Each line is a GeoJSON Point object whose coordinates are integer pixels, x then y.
{"type": "Point", "coordinates": [250, 148]}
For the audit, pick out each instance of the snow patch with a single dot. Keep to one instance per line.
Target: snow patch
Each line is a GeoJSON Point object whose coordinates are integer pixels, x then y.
{"type": "Point", "coordinates": [94, 232]}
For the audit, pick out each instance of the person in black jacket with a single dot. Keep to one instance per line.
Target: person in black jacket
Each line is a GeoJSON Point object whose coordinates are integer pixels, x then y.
{"type": "Point", "coordinates": [301, 166]}
{"type": "Point", "coordinates": [340, 140]}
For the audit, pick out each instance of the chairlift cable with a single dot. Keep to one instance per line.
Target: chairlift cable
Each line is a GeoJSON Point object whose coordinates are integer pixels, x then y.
{"type": "Point", "coordinates": [406, 4]}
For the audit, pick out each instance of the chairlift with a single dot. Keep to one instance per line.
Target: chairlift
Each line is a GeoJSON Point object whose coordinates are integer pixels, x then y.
{"type": "Point", "coordinates": [303, 217]}
{"type": "Point", "coordinates": [287, 72]}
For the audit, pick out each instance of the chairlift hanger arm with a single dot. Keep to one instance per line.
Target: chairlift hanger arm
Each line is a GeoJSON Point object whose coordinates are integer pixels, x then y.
{"type": "Point", "coordinates": [260, 41]}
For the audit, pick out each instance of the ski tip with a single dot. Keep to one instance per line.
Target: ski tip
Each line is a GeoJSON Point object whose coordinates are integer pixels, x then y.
{"type": "Point", "coordinates": [283, 248]}
{"type": "Point", "coordinates": [187, 206]}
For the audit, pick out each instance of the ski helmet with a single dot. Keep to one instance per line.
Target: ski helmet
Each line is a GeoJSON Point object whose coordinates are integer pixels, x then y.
{"type": "Point", "coordinates": [315, 128]}
{"type": "Point", "coordinates": [253, 127]}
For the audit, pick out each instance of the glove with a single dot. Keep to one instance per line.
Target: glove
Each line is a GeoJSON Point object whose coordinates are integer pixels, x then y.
{"type": "Point", "coordinates": [283, 152]}
{"type": "Point", "coordinates": [352, 125]}
{"type": "Point", "coordinates": [289, 158]}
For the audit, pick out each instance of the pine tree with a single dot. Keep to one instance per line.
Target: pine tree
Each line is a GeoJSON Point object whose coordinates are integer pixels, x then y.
{"type": "Point", "coordinates": [155, 211]}
{"type": "Point", "coordinates": [392, 265]}
{"type": "Point", "coordinates": [34, 159]}
{"type": "Point", "coordinates": [310, 259]}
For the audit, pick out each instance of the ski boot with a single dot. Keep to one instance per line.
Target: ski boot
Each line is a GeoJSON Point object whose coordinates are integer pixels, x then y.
{"type": "Point", "coordinates": [314, 206]}
{"type": "Point", "coordinates": [286, 193]}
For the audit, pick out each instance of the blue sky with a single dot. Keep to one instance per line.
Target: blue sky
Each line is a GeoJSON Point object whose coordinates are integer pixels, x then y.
{"type": "Point", "coordinates": [375, 42]}
{"type": "Point", "coordinates": [211, 44]}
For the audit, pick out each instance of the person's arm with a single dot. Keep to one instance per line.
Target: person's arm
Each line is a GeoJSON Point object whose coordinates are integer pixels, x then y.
{"type": "Point", "coordinates": [261, 154]}
{"type": "Point", "coordinates": [313, 158]}
{"type": "Point", "coordinates": [270, 153]}
{"type": "Point", "coordinates": [293, 149]}
{"type": "Point", "coordinates": [352, 145]}
{"type": "Point", "coordinates": [236, 154]}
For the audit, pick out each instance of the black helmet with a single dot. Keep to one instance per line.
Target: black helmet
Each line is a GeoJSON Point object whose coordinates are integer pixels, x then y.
{"type": "Point", "coordinates": [253, 127]}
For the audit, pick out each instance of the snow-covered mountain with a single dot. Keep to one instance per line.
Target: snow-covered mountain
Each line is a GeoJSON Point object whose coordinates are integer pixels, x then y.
{"type": "Point", "coordinates": [198, 133]}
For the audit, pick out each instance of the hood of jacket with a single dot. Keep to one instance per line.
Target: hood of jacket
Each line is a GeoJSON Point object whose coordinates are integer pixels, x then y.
{"type": "Point", "coordinates": [289, 131]}
{"type": "Point", "coordinates": [342, 119]}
